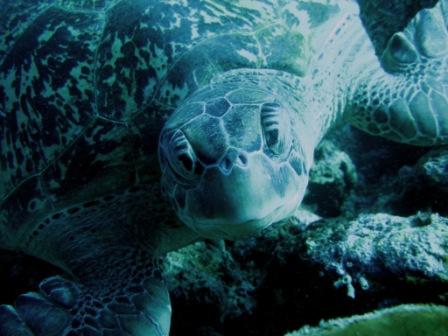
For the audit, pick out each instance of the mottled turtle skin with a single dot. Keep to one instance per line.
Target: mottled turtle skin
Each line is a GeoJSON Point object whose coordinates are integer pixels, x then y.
{"type": "Point", "coordinates": [130, 128]}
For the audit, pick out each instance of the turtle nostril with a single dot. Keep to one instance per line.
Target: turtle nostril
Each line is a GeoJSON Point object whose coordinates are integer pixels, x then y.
{"type": "Point", "coordinates": [232, 158]}
{"type": "Point", "coordinates": [242, 160]}
{"type": "Point", "coordinates": [227, 163]}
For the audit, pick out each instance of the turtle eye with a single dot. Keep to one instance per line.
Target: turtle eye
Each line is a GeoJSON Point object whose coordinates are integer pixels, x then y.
{"type": "Point", "coordinates": [276, 128]}
{"type": "Point", "coordinates": [181, 155]}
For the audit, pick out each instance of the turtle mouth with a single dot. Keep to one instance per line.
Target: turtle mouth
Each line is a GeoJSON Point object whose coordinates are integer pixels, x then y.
{"type": "Point", "coordinates": [234, 206]}
{"type": "Point", "coordinates": [239, 203]}
{"type": "Point", "coordinates": [239, 230]}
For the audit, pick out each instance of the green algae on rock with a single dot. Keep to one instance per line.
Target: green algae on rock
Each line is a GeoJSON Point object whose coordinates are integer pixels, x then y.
{"type": "Point", "coordinates": [404, 320]}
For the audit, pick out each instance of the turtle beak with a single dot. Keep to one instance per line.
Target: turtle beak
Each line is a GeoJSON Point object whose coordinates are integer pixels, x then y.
{"type": "Point", "coordinates": [243, 201]}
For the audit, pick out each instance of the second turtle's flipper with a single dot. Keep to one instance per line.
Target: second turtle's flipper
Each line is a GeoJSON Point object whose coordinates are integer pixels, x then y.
{"type": "Point", "coordinates": [404, 96]}
{"type": "Point", "coordinates": [136, 305]}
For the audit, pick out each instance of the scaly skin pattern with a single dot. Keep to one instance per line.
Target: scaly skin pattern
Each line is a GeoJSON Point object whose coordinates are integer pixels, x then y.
{"type": "Point", "coordinates": [403, 96]}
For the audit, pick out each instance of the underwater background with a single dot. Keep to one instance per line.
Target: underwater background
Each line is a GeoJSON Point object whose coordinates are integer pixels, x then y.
{"type": "Point", "coordinates": [381, 206]}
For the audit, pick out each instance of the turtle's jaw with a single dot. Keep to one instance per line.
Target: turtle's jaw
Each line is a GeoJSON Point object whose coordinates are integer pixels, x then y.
{"type": "Point", "coordinates": [230, 228]}
{"type": "Point", "coordinates": [241, 203]}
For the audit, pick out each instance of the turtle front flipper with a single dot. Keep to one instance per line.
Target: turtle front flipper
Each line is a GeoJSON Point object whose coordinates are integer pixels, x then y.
{"type": "Point", "coordinates": [404, 95]}
{"type": "Point", "coordinates": [134, 303]}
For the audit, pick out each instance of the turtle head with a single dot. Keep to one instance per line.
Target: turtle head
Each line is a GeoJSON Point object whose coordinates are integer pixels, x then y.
{"type": "Point", "coordinates": [231, 162]}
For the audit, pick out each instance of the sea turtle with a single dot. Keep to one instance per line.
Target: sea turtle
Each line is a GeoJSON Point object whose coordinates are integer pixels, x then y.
{"type": "Point", "coordinates": [230, 97]}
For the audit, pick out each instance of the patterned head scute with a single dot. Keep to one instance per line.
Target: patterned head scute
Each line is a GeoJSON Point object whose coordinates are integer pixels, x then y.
{"type": "Point", "coordinates": [230, 161]}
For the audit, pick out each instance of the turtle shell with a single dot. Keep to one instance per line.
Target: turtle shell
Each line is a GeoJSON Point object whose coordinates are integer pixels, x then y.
{"type": "Point", "coordinates": [85, 87]}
